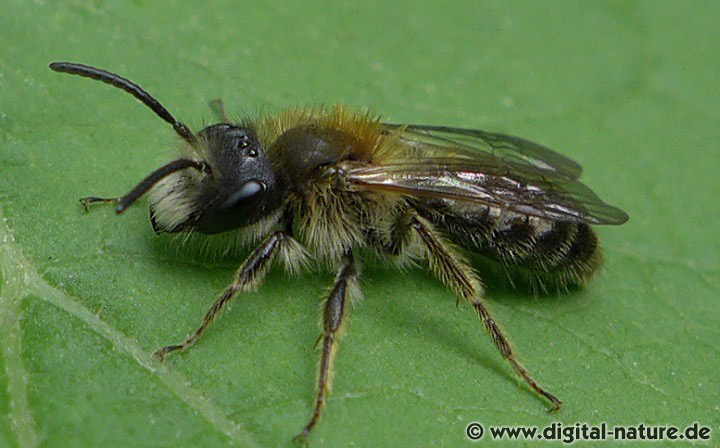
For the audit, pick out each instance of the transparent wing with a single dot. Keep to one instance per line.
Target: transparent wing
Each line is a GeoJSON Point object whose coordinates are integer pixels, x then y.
{"type": "Point", "coordinates": [474, 143]}
{"type": "Point", "coordinates": [490, 181]}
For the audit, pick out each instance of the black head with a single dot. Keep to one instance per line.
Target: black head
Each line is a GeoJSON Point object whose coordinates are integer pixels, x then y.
{"type": "Point", "coordinates": [232, 185]}
{"type": "Point", "coordinates": [243, 188]}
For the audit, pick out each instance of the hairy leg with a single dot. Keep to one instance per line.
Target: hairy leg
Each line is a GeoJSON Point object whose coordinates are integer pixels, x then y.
{"type": "Point", "coordinates": [450, 268]}
{"type": "Point", "coordinates": [249, 275]}
{"type": "Point", "coordinates": [332, 320]}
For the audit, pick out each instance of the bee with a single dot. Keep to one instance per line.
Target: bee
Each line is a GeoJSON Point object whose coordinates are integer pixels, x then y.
{"type": "Point", "coordinates": [329, 185]}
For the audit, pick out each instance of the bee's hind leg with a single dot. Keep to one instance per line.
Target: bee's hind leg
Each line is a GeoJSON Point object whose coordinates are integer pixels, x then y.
{"type": "Point", "coordinates": [333, 314]}
{"type": "Point", "coordinates": [450, 268]}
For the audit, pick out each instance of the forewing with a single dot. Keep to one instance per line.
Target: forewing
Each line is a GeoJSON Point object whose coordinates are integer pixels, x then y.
{"type": "Point", "coordinates": [474, 143]}
{"type": "Point", "coordinates": [491, 182]}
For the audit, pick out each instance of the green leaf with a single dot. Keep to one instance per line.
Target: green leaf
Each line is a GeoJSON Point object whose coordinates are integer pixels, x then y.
{"type": "Point", "coordinates": [629, 89]}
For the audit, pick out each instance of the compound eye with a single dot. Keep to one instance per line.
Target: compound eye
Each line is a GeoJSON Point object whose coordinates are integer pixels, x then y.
{"type": "Point", "coordinates": [249, 190]}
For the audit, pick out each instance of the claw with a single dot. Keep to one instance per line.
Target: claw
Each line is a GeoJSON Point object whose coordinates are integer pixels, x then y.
{"type": "Point", "coordinates": [301, 439]}
{"type": "Point", "coordinates": [557, 405]}
{"type": "Point", "coordinates": [160, 354]}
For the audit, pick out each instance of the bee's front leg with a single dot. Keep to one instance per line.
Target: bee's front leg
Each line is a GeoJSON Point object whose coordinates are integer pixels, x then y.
{"type": "Point", "coordinates": [250, 274]}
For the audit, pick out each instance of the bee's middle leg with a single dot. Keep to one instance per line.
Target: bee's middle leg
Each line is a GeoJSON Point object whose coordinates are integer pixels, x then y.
{"type": "Point", "coordinates": [333, 314]}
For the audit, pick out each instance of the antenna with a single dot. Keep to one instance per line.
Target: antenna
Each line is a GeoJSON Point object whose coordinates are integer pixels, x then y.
{"type": "Point", "coordinates": [128, 86]}
{"type": "Point", "coordinates": [146, 184]}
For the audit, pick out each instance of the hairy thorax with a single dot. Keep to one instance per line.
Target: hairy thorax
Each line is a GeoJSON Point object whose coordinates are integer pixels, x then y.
{"type": "Point", "coordinates": [330, 220]}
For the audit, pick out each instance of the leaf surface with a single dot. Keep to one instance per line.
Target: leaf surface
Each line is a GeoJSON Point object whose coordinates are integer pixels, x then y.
{"type": "Point", "coordinates": [628, 89]}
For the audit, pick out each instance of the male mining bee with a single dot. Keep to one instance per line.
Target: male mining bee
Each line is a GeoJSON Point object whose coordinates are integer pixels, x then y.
{"type": "Point", "coordinates": [329, 184]}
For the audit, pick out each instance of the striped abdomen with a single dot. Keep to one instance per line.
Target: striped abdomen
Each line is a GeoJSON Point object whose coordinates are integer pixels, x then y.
{"type": "Point", "coordinates": [545, 252]}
